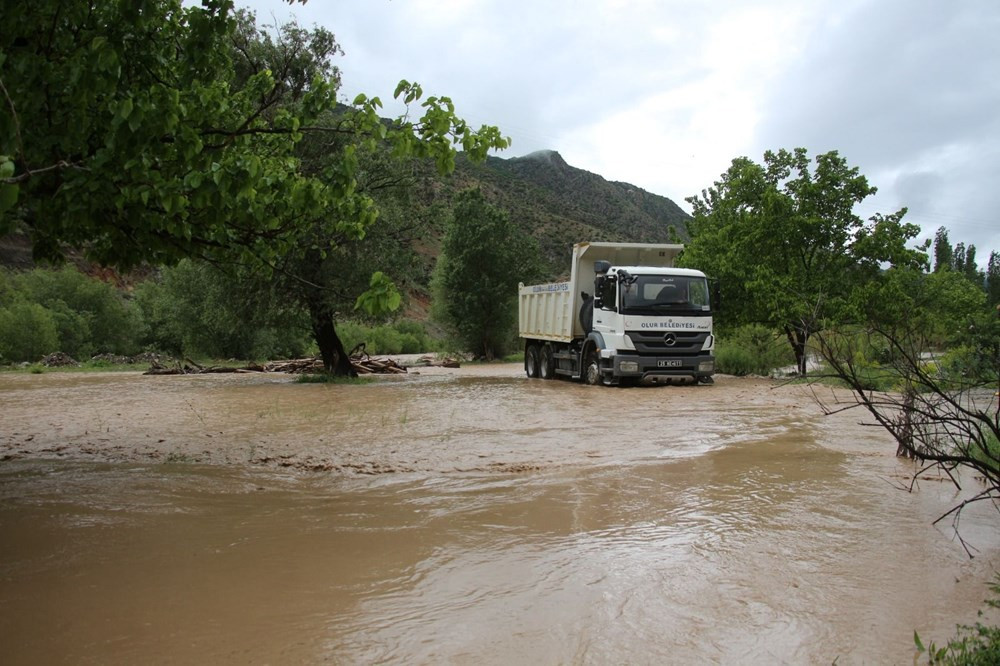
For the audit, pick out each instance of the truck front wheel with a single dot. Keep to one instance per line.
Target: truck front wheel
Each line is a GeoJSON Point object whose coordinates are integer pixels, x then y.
{"type": "Point", "coordinates": [531, 361]}
{"type": "Point", "coordinates": [592, 368]}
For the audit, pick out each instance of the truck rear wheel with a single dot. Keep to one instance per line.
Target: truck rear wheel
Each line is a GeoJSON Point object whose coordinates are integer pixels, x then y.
{"type": "Point", "coordinates": [531, 361]}
{"type": "Point", "coordinates": [547, 365]}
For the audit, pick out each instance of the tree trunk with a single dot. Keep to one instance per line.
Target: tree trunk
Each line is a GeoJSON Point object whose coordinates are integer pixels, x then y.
{"type": "Point", "coordinates": [798, 337]}
{"type": "Point", "coordinates": [331, 349]}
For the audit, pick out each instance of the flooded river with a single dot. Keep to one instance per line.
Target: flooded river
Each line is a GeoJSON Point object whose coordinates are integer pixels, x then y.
{"type": "Point", "coordinates": [465, 517]}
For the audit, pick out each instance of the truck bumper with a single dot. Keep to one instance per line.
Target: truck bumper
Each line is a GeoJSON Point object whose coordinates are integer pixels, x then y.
{"type": "Point", "coordinates": [633, 365]}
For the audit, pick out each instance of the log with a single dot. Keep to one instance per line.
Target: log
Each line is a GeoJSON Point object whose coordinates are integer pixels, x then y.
{"type": "Point", "coordinates": [362, 363]}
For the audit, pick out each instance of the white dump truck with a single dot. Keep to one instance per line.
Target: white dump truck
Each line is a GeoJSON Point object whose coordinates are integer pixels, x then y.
{"type": "Point", "coordinates": [625, 315]}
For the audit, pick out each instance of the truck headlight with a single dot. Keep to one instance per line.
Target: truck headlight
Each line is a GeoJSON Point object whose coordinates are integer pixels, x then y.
{"type": "Point", "coordinates": [706, 366]}
{"type": "Point", "coordinates": [629, 366]}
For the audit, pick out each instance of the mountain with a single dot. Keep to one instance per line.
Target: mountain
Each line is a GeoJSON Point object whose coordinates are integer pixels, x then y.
{"type": "Point", "coordinates": [556, 203]}
{"type": "Point", "coordinates": [561, 205]}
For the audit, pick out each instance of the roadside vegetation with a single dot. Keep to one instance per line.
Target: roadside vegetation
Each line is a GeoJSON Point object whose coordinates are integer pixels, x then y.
{"type": "Point", "coordinates": [752, 349]}
{"type": "Point", "coordinates": [187, 310]}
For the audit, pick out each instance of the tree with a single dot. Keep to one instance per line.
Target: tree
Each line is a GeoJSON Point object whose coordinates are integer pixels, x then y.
{"type": "Point", "coordinates": [151, 131]}
{"type": "Point", "coordinates": [970, 270]}
{"type": "Point", "coordinates": [483, 258]}
{"type": "Point", "coordinates": [195, 308]}
{"type": "Point", "coordinates": [786, 245]}
{"type": "Point", "coordinates": [937, 306]}
{"type": "Point", "coordinates": [942, 413]}
{"type": "Point", "coordinates": [958, 260]}
{"type": "Point", "coordinates": [943, 251]}
{"type": "Point", "coordinates": [993, 279]}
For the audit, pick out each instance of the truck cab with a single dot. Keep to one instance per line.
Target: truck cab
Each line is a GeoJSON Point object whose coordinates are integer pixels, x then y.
{"type": "Point", "coordinates": [652, 322]}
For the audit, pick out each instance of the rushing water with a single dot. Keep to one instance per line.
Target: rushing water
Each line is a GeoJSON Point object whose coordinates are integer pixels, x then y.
{"type": "Point", "coordinates": [523, 522]}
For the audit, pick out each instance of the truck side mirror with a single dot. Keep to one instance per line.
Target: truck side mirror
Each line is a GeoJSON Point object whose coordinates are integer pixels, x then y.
{"type": "Point", "coordinates": [716, 295]}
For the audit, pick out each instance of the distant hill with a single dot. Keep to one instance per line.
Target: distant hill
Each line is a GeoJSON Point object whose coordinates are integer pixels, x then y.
{"type": "Point", "coordinates": [561, 205]}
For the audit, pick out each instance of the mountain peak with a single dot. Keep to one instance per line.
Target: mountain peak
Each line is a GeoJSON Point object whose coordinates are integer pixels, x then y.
{"type": "Point", "coordinates": [546, 156]}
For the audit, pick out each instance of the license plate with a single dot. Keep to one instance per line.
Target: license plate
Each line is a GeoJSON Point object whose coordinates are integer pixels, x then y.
{"type": "Point", "coordinates": [669, 363]}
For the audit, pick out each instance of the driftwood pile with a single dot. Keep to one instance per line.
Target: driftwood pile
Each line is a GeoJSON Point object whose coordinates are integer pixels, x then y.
{"type": "Point", "coordinates": [58, 359]}
{"type": "Point", "coordinates": [362, 364]}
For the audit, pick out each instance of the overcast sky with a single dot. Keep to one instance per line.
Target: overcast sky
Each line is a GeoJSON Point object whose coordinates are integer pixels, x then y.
{"type": "Point", "coordinates": [664, 94]}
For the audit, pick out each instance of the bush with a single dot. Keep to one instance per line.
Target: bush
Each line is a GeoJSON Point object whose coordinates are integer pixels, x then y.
{"type": "Point", "coordinates": [27, 332]}
{"type": "Point", "coordinates": [197, 310]}
{"type": "Point", "coordinates": [91, 316]}
{"type": "Point", "coordinates": [752, 350]}
{"type": "Point", "coordinates": [404, 337]}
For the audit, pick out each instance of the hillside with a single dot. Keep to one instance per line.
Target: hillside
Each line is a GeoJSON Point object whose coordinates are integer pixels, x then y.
{"type": "Point", "coordinates": [556, 203]}
{"type": "Point", "coordinates": [561, 205]}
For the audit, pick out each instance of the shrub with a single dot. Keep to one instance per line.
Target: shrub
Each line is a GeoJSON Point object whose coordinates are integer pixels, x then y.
{"type": "Point", "coordinates": [752, 350]}
{"type": "Point", "coordinates": [90, 315]}
{"type": "Point", "coordinates": [27, 332]}
{"type": "Point", "coordinates": [404, 337]}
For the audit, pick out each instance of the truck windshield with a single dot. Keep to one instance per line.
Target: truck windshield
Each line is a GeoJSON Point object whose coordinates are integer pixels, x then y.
{"type": "Point", "coordinates": [656, 294]}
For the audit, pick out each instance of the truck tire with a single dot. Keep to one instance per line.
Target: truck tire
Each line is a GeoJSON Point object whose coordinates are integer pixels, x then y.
{"type": "Point", "coordinates": [547, 364]}
{"type": "Point", "coordinates": [531, 361]}
{"type": "Point", "coordinates": [592, 368]}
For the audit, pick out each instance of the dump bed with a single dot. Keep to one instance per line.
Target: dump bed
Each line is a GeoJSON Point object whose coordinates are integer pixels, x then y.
{"type": "Point", "coordinates": [551, 311]}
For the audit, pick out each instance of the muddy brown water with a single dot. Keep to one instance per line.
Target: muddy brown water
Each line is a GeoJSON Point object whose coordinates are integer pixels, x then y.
{"type": "Point", "coordinates": [467, 516]}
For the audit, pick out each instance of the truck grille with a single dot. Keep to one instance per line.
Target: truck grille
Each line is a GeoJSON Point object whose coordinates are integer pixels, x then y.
{"type": "Point", "coordinates": [657, 342]}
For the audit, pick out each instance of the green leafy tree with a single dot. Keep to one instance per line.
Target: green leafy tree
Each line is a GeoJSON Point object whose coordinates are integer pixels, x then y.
{"type": "Point", "coordinates": [197, 309]}
{"type": "Point", "coordinates": [362, 277]}
{"type": "Point", "coordinates": [784, 241]}
{"type": "Point", "coordinates": [153, 131]}
{"type": "Point", "coordinates": [483, 258]}
{"type": "Point", "coordinates": [970, 269]}
{"type": "Point", "coordinates": [993, 279]}
{"type": "Point", "coordinates": [943, 252]}
{"type": "Point", "coordinates": [941, 412]}
{"type": "Point", "coordinates": [938, 306]}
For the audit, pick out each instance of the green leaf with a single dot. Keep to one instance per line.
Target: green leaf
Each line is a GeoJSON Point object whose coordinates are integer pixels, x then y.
{"type": "Point", "coordinates": [382, 296]}
{"type": "Point", "coordinates": [8, 197]}
{"type": "Point", "coordinates": [6, 167]}
{"type": "Point", "coordinates": [918, 643]}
